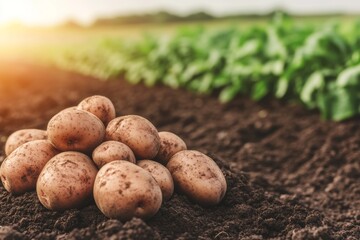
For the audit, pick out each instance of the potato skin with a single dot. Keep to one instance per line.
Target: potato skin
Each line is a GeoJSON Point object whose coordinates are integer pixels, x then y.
{"type": "Point", "coordinates": [100, 106]}
{"type": "Point", "coordinates": [75, 130]}
{"type": "Point", "coordinates": [123, 190]}
{"type": "Point", "coordinates": [170, 144]}
{"type": "Point", "coordinates": [112, 150]}
{"type": "Point", "coordinates": [137, 133]}
{"type": "Point", "coordinates": [161, 175]}
{"type": "Point", "coordinates": [66, 181]}
{"type": "Point", "coordinates": [20, 170]}
{"type": "Point", "coordinates": [70, 108]}
{"type": "Point", "coordinates": [20, 137]}
{"type": "Point", "coordinates": [198, 177]}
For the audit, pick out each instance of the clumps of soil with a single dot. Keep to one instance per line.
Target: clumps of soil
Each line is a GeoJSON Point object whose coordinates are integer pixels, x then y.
{"type": "Point", "coordinates": [246, 211]}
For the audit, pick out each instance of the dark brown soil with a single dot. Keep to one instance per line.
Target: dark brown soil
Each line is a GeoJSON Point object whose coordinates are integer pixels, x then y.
{"type": "Point", "coordinates": [290, 175]}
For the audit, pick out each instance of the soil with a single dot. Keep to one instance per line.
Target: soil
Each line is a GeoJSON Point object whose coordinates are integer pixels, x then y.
{"type": "Point", "coordinates": [290, 175]}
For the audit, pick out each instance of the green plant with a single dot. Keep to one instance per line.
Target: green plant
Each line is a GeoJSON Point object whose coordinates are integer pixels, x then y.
{"type": "Point", "coordinates": [316, 65]}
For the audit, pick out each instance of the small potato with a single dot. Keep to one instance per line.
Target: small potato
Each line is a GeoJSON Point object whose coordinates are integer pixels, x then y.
{"type": "Point", "coordinates": [75, 130]}
{"type": "Point", "coordinates": [100, 106]}
{"type": "Point", "coordinates": [161, 175]}
{"type": "Point", "coordinates": [112, 150]}
{"type": "Point", "coordinates": [20, 137]}
{"type": "Point", "coordinates": [20, 170]}
{"type": "Point", "coordinates": [198, 177]}
{"type": "Point", "coordinates": [169, 145]}
{"type": "Point", "coordinates": [137, 133]}
{"type": "Point", "coordinates": [123, 190]}
{"type": "Point", "coordinates": [66, 181]}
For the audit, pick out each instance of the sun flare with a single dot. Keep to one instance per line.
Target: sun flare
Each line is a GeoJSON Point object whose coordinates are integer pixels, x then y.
{"type": "Point", "coordinates": [17, 11]}
{"type": "Point", "coordinates": [29, 12]}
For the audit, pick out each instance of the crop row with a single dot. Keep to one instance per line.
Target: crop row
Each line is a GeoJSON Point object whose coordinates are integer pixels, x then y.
{"type": "Point", "coordinates": [318, 65]}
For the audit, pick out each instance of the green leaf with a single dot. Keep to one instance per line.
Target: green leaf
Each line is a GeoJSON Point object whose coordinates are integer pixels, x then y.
{"type": "Point", "coordinates": [192, 70]}
{"type": "Point", "coordinates": [205, 83]}
{"type": "Point", "coordinates": [214, 58]}
{"type": "Point", "coordinates": [149, 78]}
{"type": "Point", "coordinates": [220, 81]}
{"type": "Point", "coordinates": [349, 77]}
{"type": "Point", "coordinates": [344, 104]}
{"type": "Point", "coordinates": [275, 67]}
{"type": "Point", "coordinates": [313, 83]}
{"type": "Point", "coordinates": [259, 90]}
{"type": "Point", "coordinates": [323, 102]}
{"type": "Point", "coordinates": [251, 47]}
{"type": "Point", "coordinates": [275, 47]}
{"type": "Point", "coordinates": [171, 81]}
{"type": "Point", "coordinates": [228, 93]}
{"type": "Point", "coordinates": [282, 87]}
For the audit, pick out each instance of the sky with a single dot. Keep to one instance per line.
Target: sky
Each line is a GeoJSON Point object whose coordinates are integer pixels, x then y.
{"type": "Point", "coordinates": [50, 12]}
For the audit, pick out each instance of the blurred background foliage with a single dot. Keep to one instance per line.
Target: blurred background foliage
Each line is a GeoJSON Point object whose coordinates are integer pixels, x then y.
{"type": "Point", "coordinates": [311, 60]}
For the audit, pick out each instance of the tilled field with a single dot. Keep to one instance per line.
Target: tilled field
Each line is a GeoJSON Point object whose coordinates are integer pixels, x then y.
{"type": "Point", "coordinates": [290, 175]}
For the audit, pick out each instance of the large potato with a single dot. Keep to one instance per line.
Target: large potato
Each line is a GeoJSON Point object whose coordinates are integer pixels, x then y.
{"type": "Point", "coordinates": [20, 170]}
{"type": "Point", "coordinates": [20, 137]}
{"type": "Point", "coordinates": [123, 190]}
{"type": "Point", "coordinates": [198, 177]}
{"type": "Point", "coordinates": [66, 181]}
{"type": "Point", "coordinates": [112, 150]}
{"type": "Point", "coordinates": [161, 175]}
{"type": "Point", "coordinates": [137, 133]}
{"type": "Point", "coordinates": [170, 144]}
{"type": "Point", "coordinates": [75, 130]}
{"type": "Point", "coordinates": [100, 106]}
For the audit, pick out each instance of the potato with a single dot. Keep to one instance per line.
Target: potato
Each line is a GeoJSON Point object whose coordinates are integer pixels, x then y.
{"type": "Point", "coordinates": [112, 150]}
{"type": "Point", "coordinates": [75, 130]}
{"type": "Point", "coordinates": [20, 137]}
{"type": "Point", "coordinates": [66, 181]}
{"type": "Point", "coordinates": [22, 167]}
{"type": "Point", "coordinates": [198, 177]}
{"type": "Point", "coordinates": [169, 145]}
{"type": "Point", "coordinates": [161, 175]}
{"type": "Point", "coordinates": [137, 133]}
{"type": "Point", "coordinates": [100, 106]}
{"type": "Point", "coordinates": [123, 190]}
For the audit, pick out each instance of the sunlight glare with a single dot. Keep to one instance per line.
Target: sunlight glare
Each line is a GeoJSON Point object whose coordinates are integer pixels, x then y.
{"type": "Point", "coordinates": [18, 11]}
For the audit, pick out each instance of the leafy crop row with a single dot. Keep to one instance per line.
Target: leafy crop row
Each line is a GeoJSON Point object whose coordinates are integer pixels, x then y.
{"type": "Point", "coordinates": [317, 65]}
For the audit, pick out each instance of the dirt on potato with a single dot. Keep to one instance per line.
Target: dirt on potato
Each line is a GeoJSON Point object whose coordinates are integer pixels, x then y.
{"type": "Point", "coordinates": [290, 175]}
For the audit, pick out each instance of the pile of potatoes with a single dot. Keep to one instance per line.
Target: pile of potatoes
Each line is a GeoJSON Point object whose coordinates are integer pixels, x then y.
{"type": "Point", "coordinates": [123, 163]}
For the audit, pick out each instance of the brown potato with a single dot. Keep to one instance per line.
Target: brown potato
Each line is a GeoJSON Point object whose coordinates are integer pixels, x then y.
{"type": "Point", "coordinates": [161, 175]}
{"type": "Point", "coordinates": [123, 190]}
{"type": "Point", "coordinates": [170, 144]}
{"type": "Point", "coordinates": [66, 181]}
{"type": "Point", "coordinates": [20, 137]}
{"type": "Point", "coordinates": [198, 177]}
{"type": "Point", "coordinates": [75, 130]}
{"type": "Point", "coordinates": [20, 170]}
{"type": "Point", "coordinates": [112, 150]}
{"type": "Point", "coordinates": [100, 106]}
{"type": "Point", "coordinates": [137, 133]}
